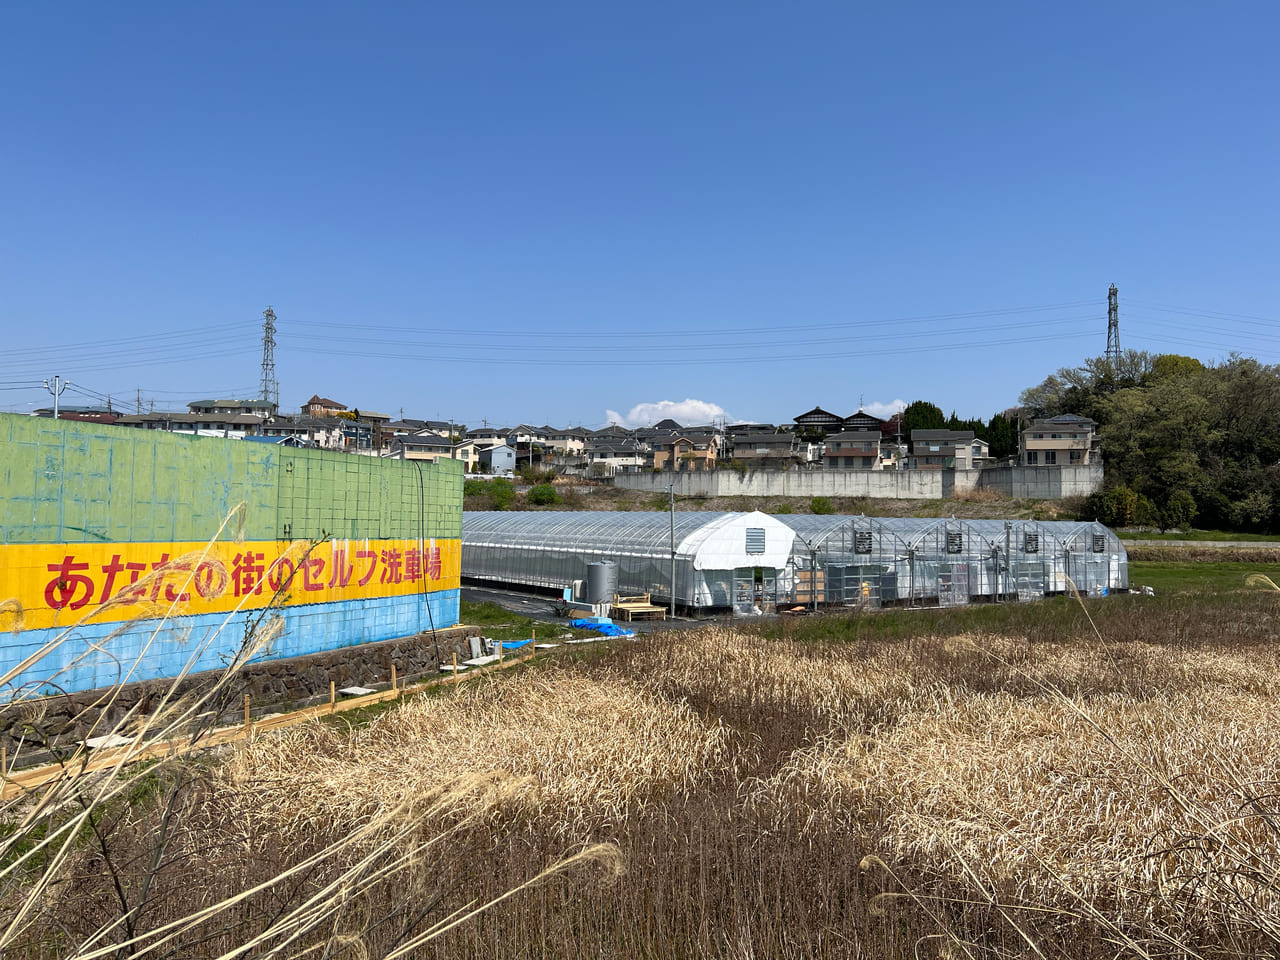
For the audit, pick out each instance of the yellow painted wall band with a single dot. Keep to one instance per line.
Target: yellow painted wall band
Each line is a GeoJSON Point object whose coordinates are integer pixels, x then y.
{"type": "Point", "coordinates": [59, 584]}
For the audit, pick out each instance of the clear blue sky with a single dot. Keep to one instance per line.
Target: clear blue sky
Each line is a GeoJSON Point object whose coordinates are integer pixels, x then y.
{"type": "Point", "coordinates": [545, 212]}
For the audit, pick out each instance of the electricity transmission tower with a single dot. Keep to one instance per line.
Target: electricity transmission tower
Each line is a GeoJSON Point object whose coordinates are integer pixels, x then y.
{"type": "Point", "coordinates": [1113, 327]}
{"type": "Point", "coordinates": [270, 386]}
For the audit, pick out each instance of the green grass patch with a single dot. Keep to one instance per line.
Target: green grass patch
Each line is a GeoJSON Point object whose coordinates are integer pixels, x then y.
{"type": "Point", "coordinates": [1197, 577]}
{"type": "Point", "coordinates": [1207, 536]}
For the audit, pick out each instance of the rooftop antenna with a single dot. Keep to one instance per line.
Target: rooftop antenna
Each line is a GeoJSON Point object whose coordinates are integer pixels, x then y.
{"type": "Point", "coordinates": [270, 386]}
{"type": "Point", "coordinates": [1113, 327]}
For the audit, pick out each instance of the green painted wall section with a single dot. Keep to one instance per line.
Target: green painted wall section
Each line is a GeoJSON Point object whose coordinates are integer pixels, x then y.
{"type": "Point", "coordinates": [68, 482]}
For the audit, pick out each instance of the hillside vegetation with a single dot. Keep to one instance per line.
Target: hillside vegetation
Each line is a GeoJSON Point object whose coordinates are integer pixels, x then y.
{"type": "Point", "coordinates": [1182, 441]}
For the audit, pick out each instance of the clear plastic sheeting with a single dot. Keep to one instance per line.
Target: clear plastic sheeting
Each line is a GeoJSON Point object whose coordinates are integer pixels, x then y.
{"type": "Point", "coordinates": [753, 563]}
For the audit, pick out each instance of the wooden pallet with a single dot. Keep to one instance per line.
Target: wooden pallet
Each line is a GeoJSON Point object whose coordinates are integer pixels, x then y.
{"type": "Point", "coordinates": [637, 608]}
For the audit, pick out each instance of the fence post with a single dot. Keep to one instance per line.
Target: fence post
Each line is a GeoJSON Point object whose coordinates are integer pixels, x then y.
{"type": "Point", "coordinates": [333, 697]}
{"type": "Point", "coordinates": [455, 668]}
{"type": "Point", "coordinates": [395, 690]}
{"type": "Point", "coordinates": [247, 728]}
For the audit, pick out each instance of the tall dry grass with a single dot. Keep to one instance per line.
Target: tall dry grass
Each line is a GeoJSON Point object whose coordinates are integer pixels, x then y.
{"type": "Point", "coordinates": [590, 750]}
{"type": "Point", "coordinates": [956, 795]}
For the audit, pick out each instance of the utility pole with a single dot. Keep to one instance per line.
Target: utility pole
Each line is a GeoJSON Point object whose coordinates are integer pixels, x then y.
{"type": "Point", "coordinates": [56, 388]}
{"type": "Point", "coordinates": [1113, 328]}
{"type": "Point", "coordinates": [671, 491]}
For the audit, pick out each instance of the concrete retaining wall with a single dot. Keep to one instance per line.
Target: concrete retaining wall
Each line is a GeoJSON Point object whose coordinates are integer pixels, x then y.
{"type": "Point", "coordinates": [1038, 483]}
{"type": "Point", "coordinates": [897, 484]}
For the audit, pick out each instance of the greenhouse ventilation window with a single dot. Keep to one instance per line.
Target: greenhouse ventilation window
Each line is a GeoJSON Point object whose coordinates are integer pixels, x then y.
{"type": "Point", "coordinates": [1099, 543]}
{"type": "Point", "coordinates": [1032, 543]}
{"type": "Point", "coordinates": [862, 541]}
{"type": "Point", "coordinates": [755, 539]}
{"type": "Point", "coordinates": [955, 542]}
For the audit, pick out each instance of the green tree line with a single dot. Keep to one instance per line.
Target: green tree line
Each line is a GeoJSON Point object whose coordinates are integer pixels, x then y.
{"type": "Point", "coordinates": [1181, 440]}
{"type": "Point", "coordinates": [1000, 432]}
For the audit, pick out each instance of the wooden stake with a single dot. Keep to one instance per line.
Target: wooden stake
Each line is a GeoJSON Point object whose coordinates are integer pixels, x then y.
{"type": "Point", "coordinates": [247, 728]}
{"type": "Point", "coordinates": [333, 697]}
{"type": "Point", "coordinates": [395, 690]}
{"type": "Point", "coordinates": [499, 653]}
{"type": "Point", "coordinates": [4, 764]}
{"type": "Point", "coordinates": [455, 668]}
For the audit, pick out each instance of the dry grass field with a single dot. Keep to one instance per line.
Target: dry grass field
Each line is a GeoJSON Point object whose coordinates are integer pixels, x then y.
{"type": "Point", "coordinates": [996, 782]}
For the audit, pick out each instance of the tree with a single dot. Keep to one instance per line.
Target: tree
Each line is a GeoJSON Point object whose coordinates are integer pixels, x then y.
{"type": "Point", "coordinates": [1001, 434]}
{"type": "Point", "coordinates": [922, 415]}
{"type": "Point", "coordinates": [1179, 511]}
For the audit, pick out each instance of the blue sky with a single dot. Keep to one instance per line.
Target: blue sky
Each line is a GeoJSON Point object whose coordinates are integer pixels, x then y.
{"type": "Point", "coordinates": [575, 212]}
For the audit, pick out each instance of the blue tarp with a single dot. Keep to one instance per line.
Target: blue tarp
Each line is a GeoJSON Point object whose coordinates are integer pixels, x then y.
{"type": "Point", "coordinates": [608, 629]}
{"type": "Point", "coordinates": [515, 644]}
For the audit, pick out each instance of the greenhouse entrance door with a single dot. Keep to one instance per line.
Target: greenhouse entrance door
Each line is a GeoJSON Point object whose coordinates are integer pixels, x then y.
{"type": "Point", "coordinates": [953, 585]}
{"type": "Point", "coordinates": [1028, 579]}
{"type": "Point", "coordinates": [754, 588]}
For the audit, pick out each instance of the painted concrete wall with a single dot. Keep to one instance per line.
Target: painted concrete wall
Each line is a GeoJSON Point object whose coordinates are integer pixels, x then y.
{"type": "Point", "coordinates": [105, 541]}
{"type": "Point", "coordinates": [1014, 481]}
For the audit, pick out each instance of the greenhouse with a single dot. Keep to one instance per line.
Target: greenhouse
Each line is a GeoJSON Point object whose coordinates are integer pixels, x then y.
{"type": "Point", "coordinates": [721, 560]}
{"type": "Point", "coordinates": [870, 560]}
{"type": "Point", "coordinates": [752, 562]}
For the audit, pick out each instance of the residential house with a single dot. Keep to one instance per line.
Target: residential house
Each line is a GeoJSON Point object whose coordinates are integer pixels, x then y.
{"type": "Point", "coordinates": [853, 450]}
{"type": "Point", "coordinates": [765, 450]}
{"type": "Point", "coordinates": [319, 406]}
{"type": "Point", "coordinates": [570, 441]}
{"type": "Point", "coordinates": [235, 426]}
{"type": "Point", "coordinates": [817, 423]}
{"type": "Point", "coordinates": [419, 446]}
{"type": "Point", "coordinates": [497, 460]}
{"type": "Point", "coordinates": [529, 443]}
{"type": "Point", "coordinates": [694, 451]}
{"type": "Point", "coordinates": [258, 408]}
{"type": "Point", "coordinates": [607, 456]}
{"type": "Point", "coordinates": [468, 451]}
{"type": "Point", "coordinates": [1064, 440]}
{"type": "Point", "coordinates": [322, 432]}
{"type": "Point", "coordinates": [864, 421]}
{"type": "Point", "coordinates": [488, 435]}
{"type": "Point", "coordinates": [947, 450]}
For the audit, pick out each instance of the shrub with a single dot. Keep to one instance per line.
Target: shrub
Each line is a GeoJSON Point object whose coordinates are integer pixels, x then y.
{"type": "Point", "coordinates": [783, 508]}
{"type": "Point", "coordinates": [542, 495]}
{"type": "Point", "coordinates": [531, 475]}
{"type": "Point", "coordinates": [822, 506]}
{"type": "Point", "coordinates": [474, 488]}
{"type": "Point", "coordinates": [1179, 511]}
{"type": "Point", "coordinates": [501, 493]}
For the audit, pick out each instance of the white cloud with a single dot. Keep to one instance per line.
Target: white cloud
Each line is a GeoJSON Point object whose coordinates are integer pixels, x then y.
{"type": "Point", "coordinates": [884, 410]}
{"type": "Point", "coordinates": [687, 413]}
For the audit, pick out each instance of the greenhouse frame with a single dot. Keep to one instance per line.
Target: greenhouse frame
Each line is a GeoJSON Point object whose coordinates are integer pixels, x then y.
{"type": "Point", "coordinates": [753, 562]}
